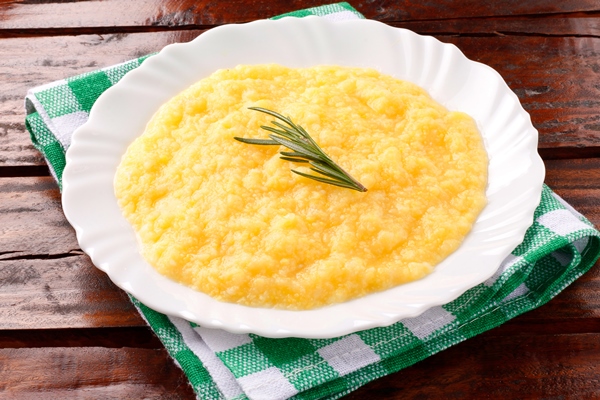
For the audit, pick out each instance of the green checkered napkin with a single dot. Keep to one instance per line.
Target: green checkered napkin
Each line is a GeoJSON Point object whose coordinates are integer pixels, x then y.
{"type": "Point", "coordinates": [558, 248]}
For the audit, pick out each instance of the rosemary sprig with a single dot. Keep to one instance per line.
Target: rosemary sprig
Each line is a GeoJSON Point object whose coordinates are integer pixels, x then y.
{"type": "Point", "coordinates": [303, 150]}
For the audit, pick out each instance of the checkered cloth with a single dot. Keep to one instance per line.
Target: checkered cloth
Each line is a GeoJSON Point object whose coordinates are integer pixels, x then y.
{"type": "Point", "coordinates": [559, 247]}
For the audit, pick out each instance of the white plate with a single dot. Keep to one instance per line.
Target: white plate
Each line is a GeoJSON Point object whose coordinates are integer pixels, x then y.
{"type": "Point", "coordinates": [516, 172]}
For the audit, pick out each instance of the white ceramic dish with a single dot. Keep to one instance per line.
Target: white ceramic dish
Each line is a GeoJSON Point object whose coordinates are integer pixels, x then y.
{"type": "Point", "coordinates": [516, 172]}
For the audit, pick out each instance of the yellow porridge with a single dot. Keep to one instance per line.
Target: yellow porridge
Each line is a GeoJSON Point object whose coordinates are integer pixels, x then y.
{"type": "Point", "coordinates": [229, 219]}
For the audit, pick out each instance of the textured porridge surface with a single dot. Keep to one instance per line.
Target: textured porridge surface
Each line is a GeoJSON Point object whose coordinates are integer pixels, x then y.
{"type": "Point", "coordinates": [229, 219]}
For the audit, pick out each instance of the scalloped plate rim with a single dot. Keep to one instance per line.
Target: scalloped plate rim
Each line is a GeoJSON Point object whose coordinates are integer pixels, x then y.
{"type": "Point", "coordinates": [367, 312]}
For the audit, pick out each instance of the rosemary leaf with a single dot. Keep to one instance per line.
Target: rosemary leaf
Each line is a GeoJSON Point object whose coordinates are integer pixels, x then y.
{"type": "Point", "coordinates": [267, 142]}
{"type": "Point", "coordinates": [324, 180]}
{"type": "Point", "coordinates": [325, 170]}
{"type": "Point", "coordinates": [291, 132]}
{"type": "Point", "coordinates": [298, 160]}
{"type": "Point", "coordinates": [296, 146]}
{"type": "Point", "coordinates": [298, 155]}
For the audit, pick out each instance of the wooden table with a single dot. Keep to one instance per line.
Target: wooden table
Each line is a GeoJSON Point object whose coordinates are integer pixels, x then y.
{"type": "Point", "coordinates": [67, 331]}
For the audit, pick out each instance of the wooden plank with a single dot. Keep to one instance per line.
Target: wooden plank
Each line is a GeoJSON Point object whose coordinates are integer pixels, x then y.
{"type": "Point", "coordinates": [90, 373]}
{"type": "Point", "coordinates": [483, 367]}
{"type": "Point", "coordinates": [553, 76]}
{"type": "Point", "coordinates": [518, 366]}
{"type": "Point", "coordinates": [67, 292]}
{"type": "Point", "coordinates": [556, 25]}
{"type": "Point", "coordinates": [48, 59]}
{"type": "Point", "coordinates": [576, 181]}
{"type": "Point", "coordinates": [30, 208]}
{"type": "Point", "coordinates": [471, 9]}
{"type": "Point", "coordinates": [108, 337]}
{"type": "Point", "coordinates": [72, 293]}
{"type": "Point", "coordinates": [48, 283]}
{"type": "Point", "coordinates": [33, 15]}
{"type": "Point", "coordinates": [70, 56]}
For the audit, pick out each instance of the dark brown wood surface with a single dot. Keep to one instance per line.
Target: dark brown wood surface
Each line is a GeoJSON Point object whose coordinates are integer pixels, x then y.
{"type": "Point", "coordinates": [67, 332]}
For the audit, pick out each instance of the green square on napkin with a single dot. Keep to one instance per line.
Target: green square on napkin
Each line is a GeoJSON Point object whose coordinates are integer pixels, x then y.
{"type": "Point", "coordinates": [559, 247]}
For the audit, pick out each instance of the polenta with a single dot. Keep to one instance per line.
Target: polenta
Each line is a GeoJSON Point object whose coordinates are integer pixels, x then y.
{"type": "Point", "coordinates": [229, 219]}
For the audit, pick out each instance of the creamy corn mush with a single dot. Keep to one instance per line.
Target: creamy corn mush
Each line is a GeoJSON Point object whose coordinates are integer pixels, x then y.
{"type": "Point", "coordinates": [229, 219]}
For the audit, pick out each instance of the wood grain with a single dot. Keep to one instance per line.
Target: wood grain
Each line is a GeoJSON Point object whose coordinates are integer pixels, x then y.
{"type": "Point", "coordinates": [48, 59]}
{"type": "Point", "coordinates": [67, 332]}
{"type": "Point", "coordinates": [67, 292]}
{"type": "Point", "coordinates": [577, 181]}
{"type": "Point", "coordinates": [90, 373]}
{"type": "Point", "coordinates": [520, 366]}
{"type": "Point", "coordinates": [554, 77]}
{"type": "Point", "coordinates": [140, 337]}
{"type": "Point", "coordinates": [48, 283]}
{"type": "Point", "coordinates": [32, 223]}
{"type": "Point", "coordinates": [578, 25]}
{"type": "Point", "coordinates": [482, 367]}
{"type": "Point", "coordinates": [45, 14]}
